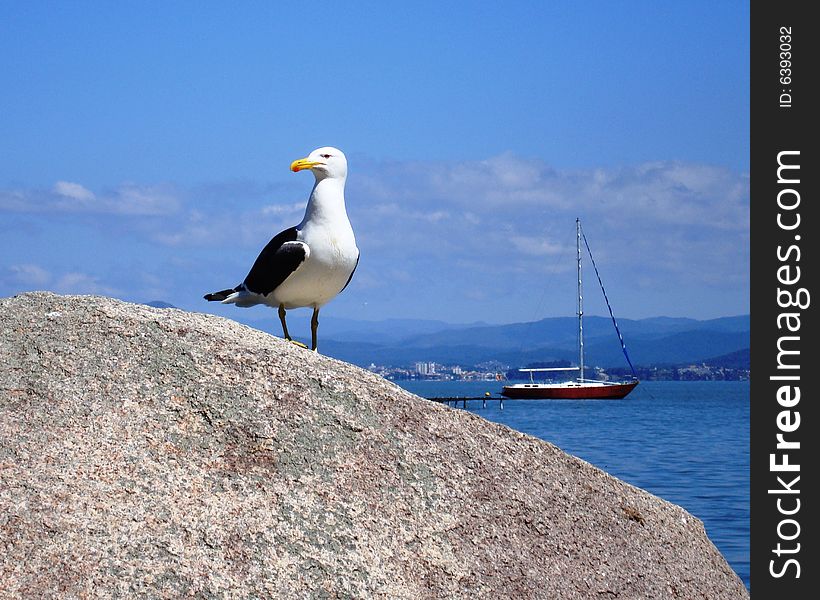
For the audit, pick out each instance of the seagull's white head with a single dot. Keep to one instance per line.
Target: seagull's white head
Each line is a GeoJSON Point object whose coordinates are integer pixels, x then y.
{"type": "Point", "coordinates": [326, 162]}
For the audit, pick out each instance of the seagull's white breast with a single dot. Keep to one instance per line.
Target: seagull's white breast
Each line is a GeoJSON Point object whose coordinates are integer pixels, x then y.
{"type": "Point", "coordinates": [326, 271]}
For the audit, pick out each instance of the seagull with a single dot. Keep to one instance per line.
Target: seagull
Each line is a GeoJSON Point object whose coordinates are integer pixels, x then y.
{"type": "Point", "coordinates": [310, 264]}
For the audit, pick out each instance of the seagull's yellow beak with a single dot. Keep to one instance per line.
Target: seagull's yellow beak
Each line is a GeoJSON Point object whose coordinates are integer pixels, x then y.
{"type": "Point", "coordinates": [303, 163]}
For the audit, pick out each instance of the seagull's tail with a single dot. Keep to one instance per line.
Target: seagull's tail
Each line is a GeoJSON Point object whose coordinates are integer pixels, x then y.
{"type": "Point", "coordinates": [238, 295]}
{"type": "Point", "coordinates": [219, 296]}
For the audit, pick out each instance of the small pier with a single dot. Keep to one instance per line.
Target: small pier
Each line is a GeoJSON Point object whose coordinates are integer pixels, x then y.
{"type": "Point", "coordinates": [455, 400]}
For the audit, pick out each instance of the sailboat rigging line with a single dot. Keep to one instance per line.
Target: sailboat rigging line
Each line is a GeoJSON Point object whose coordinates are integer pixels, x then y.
{"type": "Point", "coordinates": [611, 314]}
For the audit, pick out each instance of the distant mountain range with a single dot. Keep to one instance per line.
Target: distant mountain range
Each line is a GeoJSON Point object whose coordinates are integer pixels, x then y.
{"type": "Point", "coordinates": [657, 341]}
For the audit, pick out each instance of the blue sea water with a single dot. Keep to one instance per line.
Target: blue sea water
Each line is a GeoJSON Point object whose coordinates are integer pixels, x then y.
{"type": "Point", "coordinates": [685, 441]}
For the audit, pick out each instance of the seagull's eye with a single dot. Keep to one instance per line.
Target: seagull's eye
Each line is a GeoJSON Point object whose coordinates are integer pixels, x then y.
{"type": "Point", "coordinates": [325, 155]}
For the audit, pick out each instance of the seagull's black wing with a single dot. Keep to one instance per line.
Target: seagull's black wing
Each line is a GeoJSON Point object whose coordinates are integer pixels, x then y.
{"type": "Point", "coordinates": [281, 257]}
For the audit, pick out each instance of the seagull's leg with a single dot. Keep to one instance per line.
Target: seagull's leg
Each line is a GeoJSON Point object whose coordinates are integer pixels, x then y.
{"type": "Point", "coordinates": [285, 327]}
{"type": "Point", "coordinates": [284, 324]}
{"type": "Point", "coordinates": [314, 326]}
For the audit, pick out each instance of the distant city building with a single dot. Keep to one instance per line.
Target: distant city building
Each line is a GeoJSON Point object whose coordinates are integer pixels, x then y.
{"type": "Point", "coordinates": [436, 371]}
{"type": "Point", "coordinates": [426, 368]}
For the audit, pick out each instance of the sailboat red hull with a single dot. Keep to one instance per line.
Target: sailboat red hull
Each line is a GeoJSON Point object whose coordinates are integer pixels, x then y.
{"type": "Point", "coordinates": [569, 392]}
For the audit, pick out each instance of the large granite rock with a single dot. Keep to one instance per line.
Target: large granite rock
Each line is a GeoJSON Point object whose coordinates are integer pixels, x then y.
{"type": "Point", "coordinates": [156, 453]}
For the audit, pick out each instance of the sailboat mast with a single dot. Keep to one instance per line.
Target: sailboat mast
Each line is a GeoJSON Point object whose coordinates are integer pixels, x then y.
{"type": "Point", "coordinates": [580, 302]}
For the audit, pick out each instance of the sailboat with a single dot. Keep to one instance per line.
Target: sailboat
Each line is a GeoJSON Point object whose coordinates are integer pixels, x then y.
{"type": "Point", "coordinates": [581, 387]}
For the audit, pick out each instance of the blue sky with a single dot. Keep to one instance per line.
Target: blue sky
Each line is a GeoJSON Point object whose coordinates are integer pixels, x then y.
{"type": "Point", "coordinates": [144, 150]}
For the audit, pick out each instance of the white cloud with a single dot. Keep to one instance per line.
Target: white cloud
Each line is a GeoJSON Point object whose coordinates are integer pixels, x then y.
{"type": "Point", "coordinates": [248, 228]}
{"type": "Point", "coordinates": [429, 230]}
{"type": "Point", "coordinates": [674, 223]}
{"type": "Point", "coordinates": [283, 209]}
{"type": "Point", "coordinates": [671, 192]}
{"type": "Point", "coordinates": [131, 199]}
{"type": "Point", "coordinates": [82, 283]}
{"type": "Point", "coordinates": [68, 197]}
{"type": "Point", "coordinates": [73, 190]}
{"type": "Point", "coordinates": [16, 201]}
{"type": "Point", "coordinates": [537, 246]}
{"type": "Point", "coordinates": [30, 275]}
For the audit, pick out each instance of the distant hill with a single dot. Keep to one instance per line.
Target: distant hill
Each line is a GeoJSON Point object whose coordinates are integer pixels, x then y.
{"type": "Point", "coordinates": [386, 332]}
{"type": "Point", "coordinates": [649, 342]}
{"type": "Point", "coordinates": [563, 332]}
{"type": "Point", "coordinates": [734, 360]}
{"type": "Point", "coordinates": [159, 304]}
{"type": "Point", "coordinates": [655, 341]}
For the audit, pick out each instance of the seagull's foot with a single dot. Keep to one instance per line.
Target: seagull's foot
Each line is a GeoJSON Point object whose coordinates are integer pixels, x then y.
{"type": "Point", "coordinates": [300, 344]}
